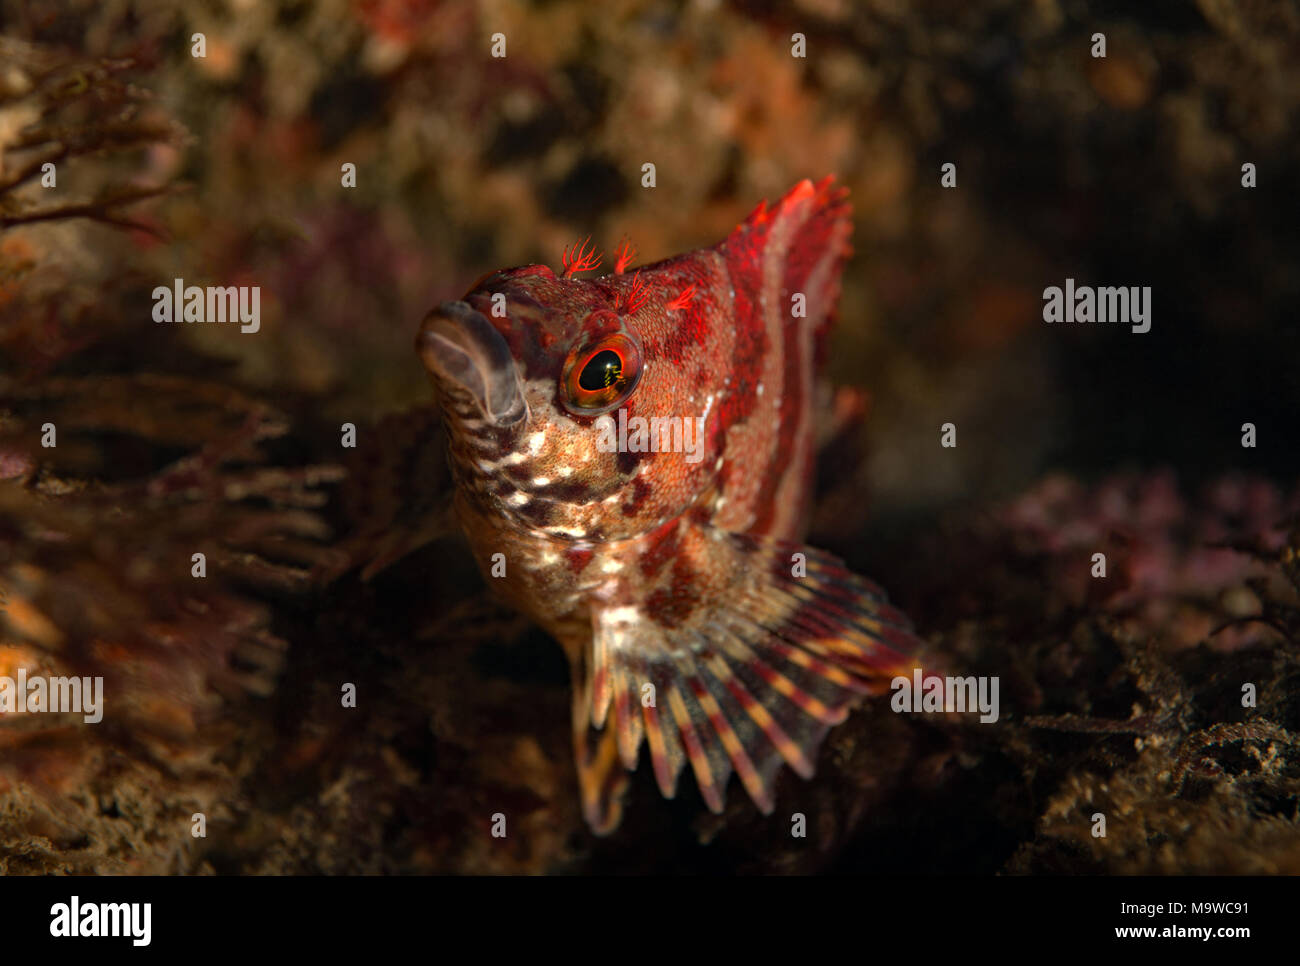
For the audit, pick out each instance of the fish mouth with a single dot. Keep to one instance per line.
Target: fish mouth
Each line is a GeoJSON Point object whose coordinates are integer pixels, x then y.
{"type": "Point", "coordinates": [463, 350]}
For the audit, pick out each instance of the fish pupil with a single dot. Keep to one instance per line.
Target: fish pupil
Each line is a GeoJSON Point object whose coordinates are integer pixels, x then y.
{"type": "Point", "coordinates": [601, 371]}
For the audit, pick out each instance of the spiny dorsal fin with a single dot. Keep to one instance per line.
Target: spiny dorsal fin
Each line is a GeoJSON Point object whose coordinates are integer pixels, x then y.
{"type": "Point", "coordinates": [798, 245]}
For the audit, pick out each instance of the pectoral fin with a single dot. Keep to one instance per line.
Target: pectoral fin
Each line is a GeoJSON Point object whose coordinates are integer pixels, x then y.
{"type": "Point", "coordinates": [743, 678]}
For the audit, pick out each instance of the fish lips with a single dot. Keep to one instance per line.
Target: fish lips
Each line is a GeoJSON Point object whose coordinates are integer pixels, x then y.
{"type": "Point", "coordinates": [462, 349]}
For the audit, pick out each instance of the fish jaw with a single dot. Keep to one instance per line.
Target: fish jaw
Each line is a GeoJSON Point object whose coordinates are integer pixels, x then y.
{"type": "Point", "coordinates": [471, 364]}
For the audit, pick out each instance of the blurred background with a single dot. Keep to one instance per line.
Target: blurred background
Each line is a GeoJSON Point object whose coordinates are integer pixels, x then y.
{"type": "Point", "coordinates": [226, 170]}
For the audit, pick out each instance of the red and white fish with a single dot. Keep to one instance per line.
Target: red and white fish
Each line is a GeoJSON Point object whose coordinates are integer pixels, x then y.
{"type": "Point", "coordinates": [693, 617]}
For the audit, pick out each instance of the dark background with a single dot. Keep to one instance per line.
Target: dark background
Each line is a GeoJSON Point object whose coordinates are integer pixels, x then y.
{"type": "Point", "coordinates": [1122, 171]}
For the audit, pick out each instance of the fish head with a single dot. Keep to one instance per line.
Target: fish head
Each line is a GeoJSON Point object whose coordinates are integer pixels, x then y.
{"type": "Point", "coordinates": [532, 370]}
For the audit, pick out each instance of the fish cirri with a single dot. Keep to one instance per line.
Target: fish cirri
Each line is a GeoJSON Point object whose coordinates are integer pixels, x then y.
{"type": "Point", "coordinates": [668, 562]}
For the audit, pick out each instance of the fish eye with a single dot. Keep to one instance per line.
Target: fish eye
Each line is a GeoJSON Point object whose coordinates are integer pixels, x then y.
{"type": "Point", "coordinates": [601, 375]}
{"type": "Point", "coordinates": [601, 371]}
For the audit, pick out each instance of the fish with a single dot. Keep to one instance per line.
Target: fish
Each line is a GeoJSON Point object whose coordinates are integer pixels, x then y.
{"type": "Point", "coordinates": [632, 458]}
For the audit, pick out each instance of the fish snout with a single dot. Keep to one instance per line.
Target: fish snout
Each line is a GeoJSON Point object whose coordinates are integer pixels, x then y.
{"type": "Point", "coordinates": [465, 353]}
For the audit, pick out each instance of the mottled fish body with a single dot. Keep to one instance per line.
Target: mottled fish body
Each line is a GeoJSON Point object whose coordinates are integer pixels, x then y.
{"type": "Point", "coordinates": [666, 557]}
